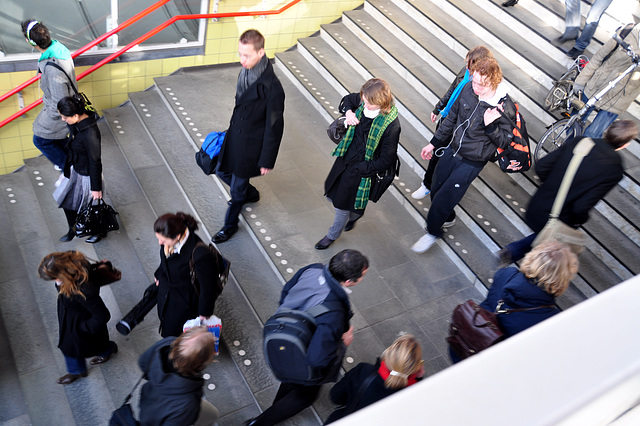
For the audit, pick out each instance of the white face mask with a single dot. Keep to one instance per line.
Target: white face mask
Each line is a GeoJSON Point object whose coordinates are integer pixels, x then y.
{"type": "Point", "coordinates": [370, 113]}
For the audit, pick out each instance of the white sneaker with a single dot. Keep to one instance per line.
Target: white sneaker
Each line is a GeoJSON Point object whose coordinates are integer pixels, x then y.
{"type": "Point", "coordinates": [57, 168]}
{"type": "Point", "coordinates": [421, 192]}
{"type": "Point", "coordinates": [449, 224]}
{"type": "Point", "coordinates": [424, 243]}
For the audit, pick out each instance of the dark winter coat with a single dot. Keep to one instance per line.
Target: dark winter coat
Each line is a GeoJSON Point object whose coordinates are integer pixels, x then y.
{"type": "Point", "coordinates": [465, 128]}
{"type": "Point", "coordinates": [344, 392]}
{"type": "Point", "coordinates": [82, 323]}
{"type": "Point", "coordinates": [599, 171]}
{"type": "Point", "coordinates": [167, 398]}
{"type": "Point", "coordinates": [517, 291]}
{"type": "Point", "coordinates": [341, 185]}
{"type": "Point", "coordinates": [326, 349]}
{"type": "Point", "coordinates": [255, 131]}
{"type": "Point", "coordinates": [178, 300]}
{"type": "Point", "coordinates": [84, 151]}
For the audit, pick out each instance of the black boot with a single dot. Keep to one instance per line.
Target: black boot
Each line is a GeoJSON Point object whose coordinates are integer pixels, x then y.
{"type": "Point", "coordinates": [509, 3]}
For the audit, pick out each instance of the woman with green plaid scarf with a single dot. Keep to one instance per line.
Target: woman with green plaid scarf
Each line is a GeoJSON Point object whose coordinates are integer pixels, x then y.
{"type": "Point", "coordinates": [369, 147]}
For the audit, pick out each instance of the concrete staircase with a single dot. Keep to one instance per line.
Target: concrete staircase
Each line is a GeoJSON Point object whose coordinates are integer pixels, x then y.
{"type": "Point", "coordinates": [148, 147]}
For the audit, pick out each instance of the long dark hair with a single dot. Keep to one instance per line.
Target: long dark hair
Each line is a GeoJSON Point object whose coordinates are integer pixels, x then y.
{"type": "Point", "coordinates": [71, 268]}
{"type": "Point", "coordinates": [72, 105]}
{"type": "Point", "coordinates": [173, 225]}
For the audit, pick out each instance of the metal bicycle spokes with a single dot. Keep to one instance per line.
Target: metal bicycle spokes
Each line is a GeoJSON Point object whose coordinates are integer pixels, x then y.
{"type": "Point", "coordinates": [556, 136]}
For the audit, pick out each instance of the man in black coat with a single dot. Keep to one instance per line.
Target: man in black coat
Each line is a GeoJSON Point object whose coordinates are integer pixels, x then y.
{"type": "Point", "coordinates": [599, 171]}
{"type": "Point", "coordinates": [252, 141]}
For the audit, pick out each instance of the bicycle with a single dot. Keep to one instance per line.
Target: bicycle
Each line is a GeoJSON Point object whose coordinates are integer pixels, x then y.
{"type": "Point", "coordinates": [562, 88]}
{"type": "Point", "coordinates": [574, 126]}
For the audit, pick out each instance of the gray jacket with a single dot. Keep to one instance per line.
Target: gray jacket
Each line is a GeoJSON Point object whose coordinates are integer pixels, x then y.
{"type": "Point", "coordinates": [55, 86]}
{"type": "Point", "coordinates": [597, 74]}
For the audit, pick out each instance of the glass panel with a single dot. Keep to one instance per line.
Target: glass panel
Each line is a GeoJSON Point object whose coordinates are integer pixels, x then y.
{"type": "Point", "coordinates": [76, 22]}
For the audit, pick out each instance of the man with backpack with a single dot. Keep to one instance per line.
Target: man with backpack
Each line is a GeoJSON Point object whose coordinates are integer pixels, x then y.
{"type": "Point", "coordinates": [323, 289]}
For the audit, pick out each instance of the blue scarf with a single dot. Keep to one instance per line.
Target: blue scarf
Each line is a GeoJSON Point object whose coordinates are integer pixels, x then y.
{"type": "Point", "coordinates": [55, 50]}
{"type": "Point", "coordinates": [456, 92]}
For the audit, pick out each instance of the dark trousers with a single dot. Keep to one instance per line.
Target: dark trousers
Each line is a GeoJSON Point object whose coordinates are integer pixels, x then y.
{"type": "Point", "coordinates": [240, 190]}
{"type": "Point", "coordinates": [452, 178]}
{"type": "Point", "coordinates": [431, 168]}
{"type": "Point", "coordinates": [518, 249]}
{"type": "Point", "coordinates": [53, 149]}
{"type": "Point", "coordinates": [289, 401]}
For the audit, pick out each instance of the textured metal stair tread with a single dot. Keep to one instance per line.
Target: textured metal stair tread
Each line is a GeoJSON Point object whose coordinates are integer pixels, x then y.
{"type": "Point", "coordinates": [403, 56]}
{"type": "Point", "coordinates": [508, 198]}
{"type": "Point", "coordinates": [238, 325]}
{"type": "Point", "coordinates": [22, 297]}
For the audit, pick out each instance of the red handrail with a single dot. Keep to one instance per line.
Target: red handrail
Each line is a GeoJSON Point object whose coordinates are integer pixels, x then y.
{"type": "Point", "coordinates": [137, 41]}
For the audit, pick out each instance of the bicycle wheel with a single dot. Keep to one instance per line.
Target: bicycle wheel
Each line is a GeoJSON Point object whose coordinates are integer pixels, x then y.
{"type": "Point", "coordinates": [558, 95]}
{"type": "Point", "coordinates": [555, 137]}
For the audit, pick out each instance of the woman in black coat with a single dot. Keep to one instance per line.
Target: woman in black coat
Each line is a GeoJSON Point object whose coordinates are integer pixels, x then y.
{"type": "Point", "coordinates": [82, 315]}
{"type": "Point", "coordinates": [399, 366]}
{"type": "Point", "coordinates": [83, 168]}
{"type": "Point", "coordinates": [178, 299]}
{"type": "Point", "coordinates": [369, 147]}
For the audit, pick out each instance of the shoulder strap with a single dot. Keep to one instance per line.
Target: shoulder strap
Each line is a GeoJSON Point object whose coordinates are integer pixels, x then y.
{"type": "Point", "coordinates": [363, 387]}
{"type": "Point", "coordinates": [133, 390]}
{"type": "Point", "coordinates": [579, 152]}
{"type": "Point", "coordinates": [192, 266]}
{"type": "Point", "coordinates": [500, 310]}
{"type": "Point", "coordinates": [53, 64]}
{"type": "Point", "coordinates": [323, 308]}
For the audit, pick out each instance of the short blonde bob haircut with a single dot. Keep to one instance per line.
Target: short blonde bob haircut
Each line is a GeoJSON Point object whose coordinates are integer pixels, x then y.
{"type": "Point", "coordinates": [377, 92]}
{"type": "Point", "coordinates": [490, 70]}
{"type": "Point", "coordinates": [403, 356]}
{"type": "Point", "coordinates": [551, 265]}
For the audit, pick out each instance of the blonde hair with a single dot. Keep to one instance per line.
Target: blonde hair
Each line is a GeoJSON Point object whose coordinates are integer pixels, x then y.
{"type": "Point", "coordinates": [490, 70]}
{"type": "Point", "coordinates": [192, 351]}
{"type": "Point", "coordinates": [70, 268]}
{"type": "Point", "coordinates": [552, 265]}
{"type": "Point", "coordinates": [475, 54]}
{"type": "Point", "coordinates": [378, 92]}
{"type": "Point", "coordinates": [404, 357]}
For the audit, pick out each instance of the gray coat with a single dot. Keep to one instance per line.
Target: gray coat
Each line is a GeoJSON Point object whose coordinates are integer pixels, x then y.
{"type": "Point", "coordinates": [597, 74]}
{"type": "Point", "coordinates": [55, 86]}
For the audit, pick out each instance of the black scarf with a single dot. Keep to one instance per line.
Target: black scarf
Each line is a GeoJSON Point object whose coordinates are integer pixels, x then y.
{"type": "Point", "coordinates": [249, 76]}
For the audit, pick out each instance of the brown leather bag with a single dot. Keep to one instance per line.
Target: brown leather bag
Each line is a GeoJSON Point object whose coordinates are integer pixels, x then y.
{"type": "Point", "coordinates": [472, 329]}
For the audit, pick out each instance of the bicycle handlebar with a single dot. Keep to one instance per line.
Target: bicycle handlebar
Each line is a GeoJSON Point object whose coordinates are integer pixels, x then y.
{"type": "Point", "coordinates": [627, 47]}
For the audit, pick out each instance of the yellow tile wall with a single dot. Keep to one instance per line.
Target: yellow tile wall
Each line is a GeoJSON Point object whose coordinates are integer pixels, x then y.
{"type": "Point", "coordinates": [109, 86]}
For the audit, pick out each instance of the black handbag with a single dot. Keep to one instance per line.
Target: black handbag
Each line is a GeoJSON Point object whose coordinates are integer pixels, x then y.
{"type": "Point", "coordinates": [96, 219]}
{"type": "Point", "coordinates": [380, 182]}
{"type": "Point", "coordinates": [337, 129]}
{"type": "Point", "coordinates": [123, 416]}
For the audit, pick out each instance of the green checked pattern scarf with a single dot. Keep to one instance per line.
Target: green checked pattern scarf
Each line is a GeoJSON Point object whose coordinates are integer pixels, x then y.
{"type": "Point", "coordinates": [378, 127]}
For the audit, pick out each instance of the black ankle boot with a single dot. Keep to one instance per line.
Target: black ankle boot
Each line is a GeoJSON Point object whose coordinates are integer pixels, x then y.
{"type": "Point", "coordinates": [68, 236]}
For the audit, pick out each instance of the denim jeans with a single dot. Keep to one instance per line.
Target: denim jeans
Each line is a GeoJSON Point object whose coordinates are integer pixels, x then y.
{"type": "Point", "coordinates": [53, 149]}
{"type": "Point", "coordinates": [79, 365]}
{"type": "Point", "coordinates": [572, 20]}
{"type": "Point", "coordinates": [240, 190]}
{"type": "Point", "coordinates": [600, 123]}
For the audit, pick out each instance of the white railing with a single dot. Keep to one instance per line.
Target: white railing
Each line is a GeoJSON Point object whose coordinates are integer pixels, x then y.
{"type": "Point", "coordinates": [581, 367]}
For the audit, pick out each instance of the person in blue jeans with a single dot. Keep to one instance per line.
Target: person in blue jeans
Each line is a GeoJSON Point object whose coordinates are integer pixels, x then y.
{"type": "Point", "coordinates": [572, 25]}
{"type": "Point", "coordinates": [49, 131]}
{"type": "Point", "coordinates": [598, 173]}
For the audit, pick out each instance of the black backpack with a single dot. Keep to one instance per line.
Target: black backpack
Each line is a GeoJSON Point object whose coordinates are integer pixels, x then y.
{"type": "Point", "coordinates": [223, 266]}
{"type": "Point", "coordinates": [287, 335]}
{"type": "Point", "coordinates": [516, 158]}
